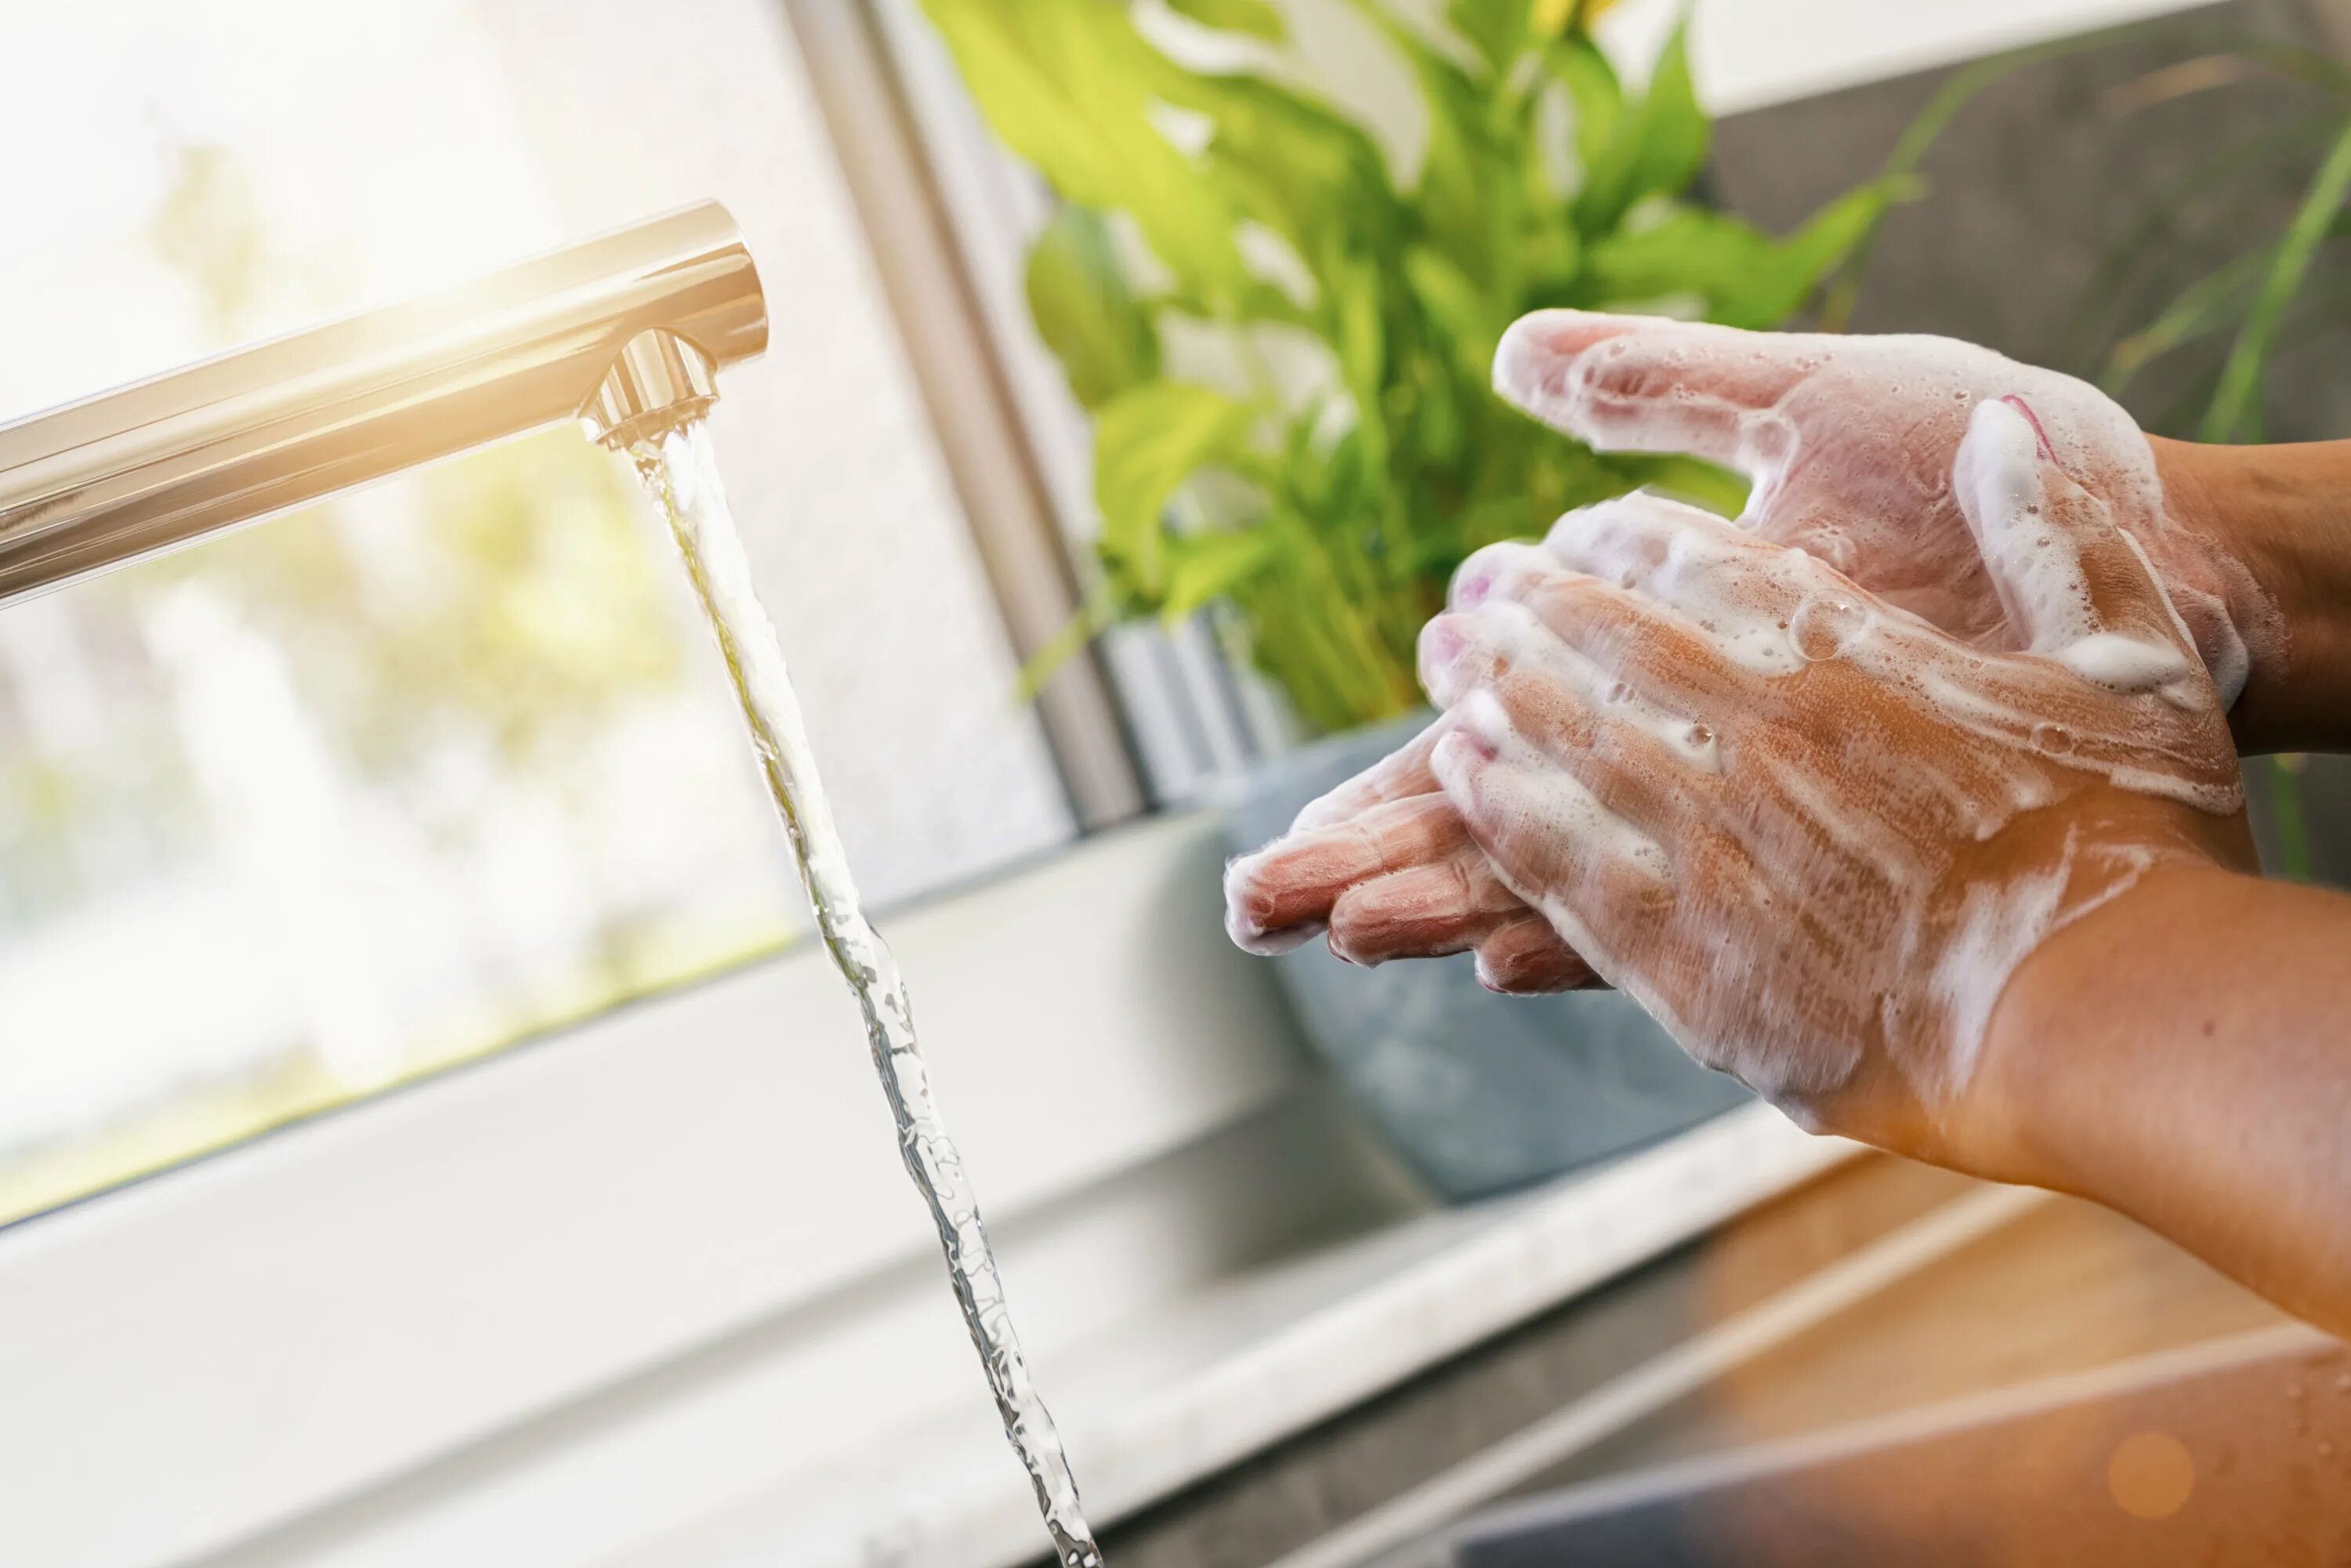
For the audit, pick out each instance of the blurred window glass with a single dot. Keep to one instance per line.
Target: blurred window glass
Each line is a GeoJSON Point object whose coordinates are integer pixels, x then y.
{"type": "Point", "coordinates": [389, 783]}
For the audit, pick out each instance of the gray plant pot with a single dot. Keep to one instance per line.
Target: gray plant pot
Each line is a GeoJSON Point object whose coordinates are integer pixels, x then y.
{"type": "Point", "coordinates": [1478, 1093]}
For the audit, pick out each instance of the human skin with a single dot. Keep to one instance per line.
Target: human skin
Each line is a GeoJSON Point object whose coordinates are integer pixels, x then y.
{"type": "Point", "coordinates": [2174, 1048]}
{"type": "Point", "coordinates": [2285, 513]}
{"type": "Point", "coordinates": [1810, 833]}
{"type": "Point", "coordinates": [2181, 1055]}
{"type": "Point", "coordinates": [2260, 537]}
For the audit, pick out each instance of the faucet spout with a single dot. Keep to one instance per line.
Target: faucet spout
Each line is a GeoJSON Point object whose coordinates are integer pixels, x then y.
{"type": "Point", "coordinates": [658, 382]}
{"type": "Point", "coordinates": [626, 332]}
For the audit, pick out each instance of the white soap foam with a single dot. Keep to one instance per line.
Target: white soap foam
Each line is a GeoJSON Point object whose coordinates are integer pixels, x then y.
{"type": "Point", "coordinates": [1843, 831]}
{"type": "Point", "coordinates": [1849, 443]}
{"type": "Point", "coordinates": [1831, 817]}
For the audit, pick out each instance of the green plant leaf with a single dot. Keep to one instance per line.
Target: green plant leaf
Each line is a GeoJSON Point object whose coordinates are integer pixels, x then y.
{"type": "Point", "coordinates": [1461, 202]}
{"type": "Point", "coordinates": [2205, 306]}
{"type": "Point", "coordinates": [1302, 171]}
{"type": "Point", "coordinates": [1252, 16]}
{"type": "Point", "coordinates": [1468, 320]}
{"type": "Point", "coordinates": [2235, 411]}
{"type": "Point", "coordinates": [1496, 29]}
{"type": "Point", "coordinates": [1745, 278]}
{"type": "Point", "coordinates": [1210, 565]}
{"type": "Point", "coordinates": [1360, 338]}
{"type": "Point", "coordinates": [1355, 522]}
{"type": "Point", "coordinates": [1655, 149]}
{"type": "Point", "coordinates": [1691, 479]}
{"type": "Point", "coordinates": [2287, 818]}
{"type": "Point", "coordinates": [1070, 86]}
{"type": "Point", "coordinates": [1147, 441]}
{"type": "Point", "coordinates": [1086, 312]}
{"type": "Point", "coordinates": [1593, 91]}
{"type": "Point", "coordinates": [1463, 199]}
{"type": "Point", "coordinates": [2215, 196]}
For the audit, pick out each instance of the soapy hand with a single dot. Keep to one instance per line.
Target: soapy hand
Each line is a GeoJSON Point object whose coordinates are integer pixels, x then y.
{"type": "Point", "coordinates": [1810, 832]}
{"type": "Point", "coordinates": [1386, 866]}
{"type": "Point", "coordinates": [1850, 445]}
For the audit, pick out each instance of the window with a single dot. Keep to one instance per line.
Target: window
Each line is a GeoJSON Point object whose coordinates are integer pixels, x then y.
{"type": "Point", "coordinates": [368, 791]}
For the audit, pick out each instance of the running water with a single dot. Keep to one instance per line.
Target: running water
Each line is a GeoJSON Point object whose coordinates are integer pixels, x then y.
{"type": "Point", "coordinates": [679, 471]}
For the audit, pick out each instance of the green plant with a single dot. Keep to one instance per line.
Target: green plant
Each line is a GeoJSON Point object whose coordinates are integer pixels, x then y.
{"type": "Point", "coordinates": [1327, 506]}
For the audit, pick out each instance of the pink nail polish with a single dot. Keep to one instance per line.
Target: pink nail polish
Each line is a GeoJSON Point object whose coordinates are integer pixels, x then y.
{"type": "Point", "coordinates": [2034, 420]}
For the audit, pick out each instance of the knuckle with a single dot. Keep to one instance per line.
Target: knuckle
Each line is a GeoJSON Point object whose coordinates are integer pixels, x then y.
{"type": "Point", "coordinates": [1623, 367]}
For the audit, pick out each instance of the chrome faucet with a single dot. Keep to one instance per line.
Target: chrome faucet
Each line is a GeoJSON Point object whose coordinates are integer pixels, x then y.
{"type": "Point", "coordinates": [625, 332]}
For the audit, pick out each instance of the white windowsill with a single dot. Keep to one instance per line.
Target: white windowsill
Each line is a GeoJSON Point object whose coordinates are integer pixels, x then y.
{"type": "Point", "coordinates": [656, 1293]}
{"type": "Point", "coordinates": [193, 1359]}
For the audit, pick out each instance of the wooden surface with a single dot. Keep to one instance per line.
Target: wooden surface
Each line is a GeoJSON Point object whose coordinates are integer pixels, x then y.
{"type": "Point", "coordinates": [2067, 1287]}
{"type": "Point", "coordinates": [2049, 1288]}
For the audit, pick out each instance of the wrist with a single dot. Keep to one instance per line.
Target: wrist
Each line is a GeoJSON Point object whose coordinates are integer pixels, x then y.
{"type": "Point", "coordinates": [2059, 1076]}
{"type": "Point", "coordinates": [2267, 531]}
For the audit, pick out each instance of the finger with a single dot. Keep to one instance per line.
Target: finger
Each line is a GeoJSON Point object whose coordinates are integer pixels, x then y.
{"type": "Point", "coordinates": [1650, 771]}
{"type": "Point", "coordinates": [1605, 887]}
{"type": "Point", "coordinates": [1744, 593]}
{"type": "Point", "coordinates": [1572, 708]}
{"type": "Point", "coordinates": [1497, 569]}
{"type": "Point", "coordinates": [1282, 894]}
{"type": "Point", "coordinates": [1641, 384]}
{"type": "Point", "coordinates": [1423, 912]}
{"type": "Point", "coordinates": [1398, 776]}
{"type": "Point", "coordinates": [1674, 665]}
{"type": "Point", "coordinates": [2075, 585]}
{"type": "Point", "coordinates": [1525, 958]}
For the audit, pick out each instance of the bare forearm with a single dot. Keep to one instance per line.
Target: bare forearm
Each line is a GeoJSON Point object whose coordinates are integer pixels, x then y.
{"type": "Point", "coordinates": [2285, 513]}
{"type": "Point", "coordinates": [2184, 1055]}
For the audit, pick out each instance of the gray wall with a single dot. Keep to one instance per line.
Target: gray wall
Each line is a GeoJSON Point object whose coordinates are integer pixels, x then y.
{"type": "Point", "coordinates": [2046, 174]}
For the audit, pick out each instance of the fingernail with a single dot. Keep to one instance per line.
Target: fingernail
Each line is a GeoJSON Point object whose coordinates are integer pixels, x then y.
{"type": "Point", "coordinates": [2034, 420]}
{"type": "Point", "coordinates": [1244, 894]}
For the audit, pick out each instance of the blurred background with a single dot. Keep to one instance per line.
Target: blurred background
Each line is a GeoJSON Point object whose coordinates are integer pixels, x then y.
{"type": "Point", "coordinates": [443, 765]}
{"type": "Point", "coordinates": [316, 807]}
{"type": "Point", "coordinates": [1124, 414]}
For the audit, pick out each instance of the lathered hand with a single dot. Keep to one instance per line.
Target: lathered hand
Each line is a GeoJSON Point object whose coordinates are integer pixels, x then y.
{"type": "Point", "coordinates": [1811, 832]}
{"type": "Point", "coordinates": [1386, 866]}
{"type": "Point", "coordinates": [1850, 445]}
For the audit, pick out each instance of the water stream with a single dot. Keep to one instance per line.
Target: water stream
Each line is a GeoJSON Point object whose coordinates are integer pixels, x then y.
{"type": "Point", "coordinates": [679, 471]}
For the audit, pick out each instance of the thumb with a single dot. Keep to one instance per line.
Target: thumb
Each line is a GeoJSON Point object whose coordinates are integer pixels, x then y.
{"type": "Point", "coordinates": [2075, 585]}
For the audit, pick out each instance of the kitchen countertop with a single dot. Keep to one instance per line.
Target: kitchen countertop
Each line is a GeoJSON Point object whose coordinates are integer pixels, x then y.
{"type": "Point", "coordinates": [1882, 1288]}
